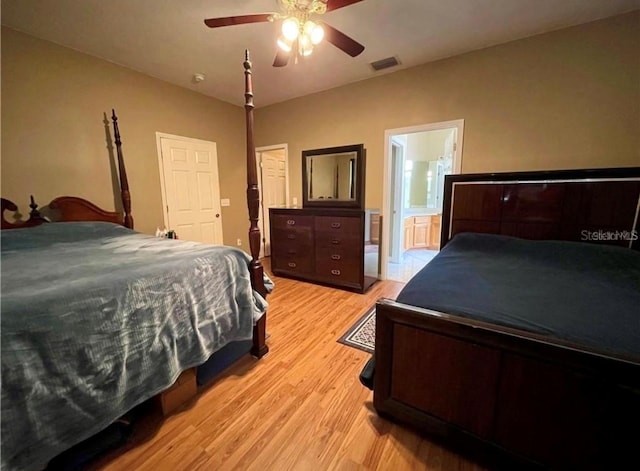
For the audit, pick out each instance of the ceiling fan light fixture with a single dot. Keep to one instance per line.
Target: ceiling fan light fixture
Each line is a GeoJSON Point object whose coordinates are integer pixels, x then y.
{"type": "Point", "coordinates": [284, 44]}
{"type": "Point", "coordinates": [300, 29]}
{"type": "Point", "coordinates": [290, 28]}
{"type": "Point", "coordinates": [314, 31]}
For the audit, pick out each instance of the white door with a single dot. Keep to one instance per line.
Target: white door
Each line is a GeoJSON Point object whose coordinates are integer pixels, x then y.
{"type": "Point", "coordinates": [273, 182]}
{"type": "Point", "coordinates": [192, 189]}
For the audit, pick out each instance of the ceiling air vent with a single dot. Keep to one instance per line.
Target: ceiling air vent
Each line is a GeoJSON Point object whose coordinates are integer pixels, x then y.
{"type": "Point", "coordinates": [384, 63]}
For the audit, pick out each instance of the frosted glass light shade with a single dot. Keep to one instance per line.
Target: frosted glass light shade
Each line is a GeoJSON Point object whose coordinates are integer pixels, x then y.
{"type": "Point", "coordinates": [314, 31]}
{"type": "Point", "coordinates": [290, 28]}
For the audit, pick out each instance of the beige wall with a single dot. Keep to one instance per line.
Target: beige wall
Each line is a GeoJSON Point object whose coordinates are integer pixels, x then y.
{"type": "Point", "coordinates": [565, 99]}
{"type": "Point", "coordinates": [53, 137]}
{"type": "Point", "coordinates": [428, 145]}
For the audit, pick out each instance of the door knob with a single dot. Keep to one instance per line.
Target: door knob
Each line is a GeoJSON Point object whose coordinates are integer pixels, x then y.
{"type": "Point", "coordinates": [218, 215]}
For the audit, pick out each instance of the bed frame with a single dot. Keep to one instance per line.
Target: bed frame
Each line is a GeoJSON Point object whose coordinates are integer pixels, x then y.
{"type": "Point", "coordinates": [509, 398]}
{"type": "Point", "coordinates": [71, 208]}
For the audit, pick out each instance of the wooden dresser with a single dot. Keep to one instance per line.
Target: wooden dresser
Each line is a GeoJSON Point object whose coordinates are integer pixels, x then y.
{"type": "Point", "coordinates": [322, 245]}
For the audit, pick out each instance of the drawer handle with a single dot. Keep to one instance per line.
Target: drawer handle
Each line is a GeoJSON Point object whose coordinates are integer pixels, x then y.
{"type": "Point", "coordinates": [291, 222]}
{"type": "Point", "coordinates": [335, 225]}
{"type": "Point", "coordinates": [335, 241]}
{"type": "Point", "coordinates": [291, 236]}
{"type": "Point", "coordinates": [336, 257]}
{"type": "Point", "coordinates": [292, 251]}
{"type": "Point", "coordinates": [291, 264]}
{"type": "Point", "coordinates": [335, 272]}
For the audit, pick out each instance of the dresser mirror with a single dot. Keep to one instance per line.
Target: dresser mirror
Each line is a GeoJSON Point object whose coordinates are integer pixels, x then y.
{"type": "Point", "coordinates": [333, 177]}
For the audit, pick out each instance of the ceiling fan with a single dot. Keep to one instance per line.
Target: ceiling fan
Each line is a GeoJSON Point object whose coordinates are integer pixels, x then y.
{"type": "Point", "coordinates": [300, 28]}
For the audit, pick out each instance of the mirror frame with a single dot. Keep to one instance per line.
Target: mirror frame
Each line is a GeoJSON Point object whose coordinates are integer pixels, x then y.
{"type": "Point", "coordinates": [358, 202]}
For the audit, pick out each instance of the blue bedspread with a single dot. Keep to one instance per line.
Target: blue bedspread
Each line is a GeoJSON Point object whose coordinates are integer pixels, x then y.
{"type": "Point", "coordinates": [588, 294]}
{"type": "Point", "coordinates": [97, 318]}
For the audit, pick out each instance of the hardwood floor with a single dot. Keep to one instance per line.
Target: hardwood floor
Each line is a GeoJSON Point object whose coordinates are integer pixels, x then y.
{"type": "Point", "coordinates": [299, 408]}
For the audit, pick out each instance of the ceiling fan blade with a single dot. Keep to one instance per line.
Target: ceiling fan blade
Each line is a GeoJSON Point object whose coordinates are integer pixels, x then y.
{"type": "Point", "coordinates": [282, 58]}
{"type": "Point", "coordinates": [335, 4]}
{"type": "Point", "coordinates": [237, 20]}
{"type": "Point", "coordinates": [342, 41]}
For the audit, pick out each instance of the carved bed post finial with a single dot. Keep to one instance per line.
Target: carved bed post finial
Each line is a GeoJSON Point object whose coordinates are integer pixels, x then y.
{"type": "Point", "coordinates": [253, 202]}
{"type": "Point", "coordinates": [124, 183]}
{"type": "Point", "coordinates": [34, 213]}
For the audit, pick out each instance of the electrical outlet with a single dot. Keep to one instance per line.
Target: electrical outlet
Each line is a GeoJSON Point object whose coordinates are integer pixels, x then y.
{"type": "Point", "coordinates": [239, 242]}
{"type": "Point", "coordinates": [295, 202]}
{"type": "Point", "coordinates": [225, 202]}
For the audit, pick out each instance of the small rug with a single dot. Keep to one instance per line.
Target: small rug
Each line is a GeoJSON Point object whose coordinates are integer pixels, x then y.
{"type": "Point", "coordinates": [362, 335]}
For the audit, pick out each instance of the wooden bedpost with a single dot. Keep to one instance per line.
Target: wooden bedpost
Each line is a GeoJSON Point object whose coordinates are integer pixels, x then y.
{"type": "Point", "coordinates": [124, 183]}
{"type": "Point", "coordinates": [259, 348]}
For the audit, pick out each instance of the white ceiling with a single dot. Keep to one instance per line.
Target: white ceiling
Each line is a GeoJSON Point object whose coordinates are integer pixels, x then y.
{"type": "Point", "coordinates": [167, 39]}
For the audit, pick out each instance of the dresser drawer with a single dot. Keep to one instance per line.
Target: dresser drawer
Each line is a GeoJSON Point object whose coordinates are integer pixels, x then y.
{"type": "Point", "coordinates": [299, 237]}
{"type": "Point", "coordinates": [345, 241]}
{"type": "Point", "coordinates": [295, 264]}
{"type": "Point", "coordinates": [338, 271]}
{"type": "Point", "coordinates": [290, 250]}
{"type": "Point", "coordinates": [339, 225]}
{"type": "Point", "coordinates": [337, 254]}
{"type": "Point", "coordinates": [290, 221]}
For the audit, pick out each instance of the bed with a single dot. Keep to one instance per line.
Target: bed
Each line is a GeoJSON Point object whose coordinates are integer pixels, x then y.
{"type": "Point", "coordinates": [97, 318]}
{"type": "Point", "coordinates": [519, 343]}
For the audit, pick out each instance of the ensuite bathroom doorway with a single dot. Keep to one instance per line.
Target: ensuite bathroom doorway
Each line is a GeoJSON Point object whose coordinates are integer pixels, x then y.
{"type": "Point", "coordinates": [417, 161]}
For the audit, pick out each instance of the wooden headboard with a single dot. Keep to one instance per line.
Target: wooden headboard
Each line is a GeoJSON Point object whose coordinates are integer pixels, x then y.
{"type": "Point", "coordinates": [598, 205]}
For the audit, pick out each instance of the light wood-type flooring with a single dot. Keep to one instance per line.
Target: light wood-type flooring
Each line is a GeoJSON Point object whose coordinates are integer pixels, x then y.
{"type": "Point", "coordinates": [301, 407]}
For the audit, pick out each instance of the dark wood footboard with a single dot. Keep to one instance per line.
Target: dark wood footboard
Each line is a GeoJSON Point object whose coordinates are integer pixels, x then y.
{"type": "Point", "coordinates": [506, 397]}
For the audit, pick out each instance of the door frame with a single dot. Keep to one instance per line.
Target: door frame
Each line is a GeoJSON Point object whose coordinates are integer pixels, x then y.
{"type": "Point", "coordinates": [159, 136]}
{"type": "Point", "coordinates": [259, 151]}
{"type": "Point", "coordinates": [387, 184]}
{"type": "Point", "coordinates": [396, 218]}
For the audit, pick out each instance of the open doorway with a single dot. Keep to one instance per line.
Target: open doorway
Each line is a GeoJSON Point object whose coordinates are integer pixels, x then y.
{"type": "Point", "coordinates": [273, 183]}
{"type": "Point", "coordinates": [416, 161]}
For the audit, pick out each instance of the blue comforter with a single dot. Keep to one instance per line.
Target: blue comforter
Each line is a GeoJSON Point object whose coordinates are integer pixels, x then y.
{"type": "Point", "coordinates": [97, 318]}
{"type": "Point", "coordinates": [588, 294]}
